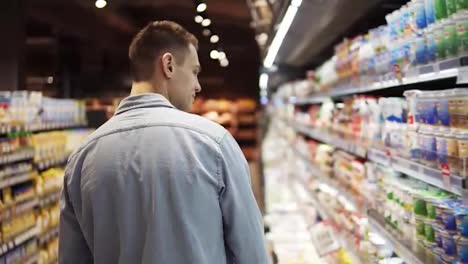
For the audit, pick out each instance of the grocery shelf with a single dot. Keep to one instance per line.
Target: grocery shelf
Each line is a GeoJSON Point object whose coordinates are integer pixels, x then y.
{"type": "Point", "coordinates": [451, 68]}
{"type": "Point", "coordinates": [51, 162]}
{"type": "Point", "coordinates": [38, 127]}
{"type": "Point", "coordinates": [31, 259]}
{"type": "Point", "coordinates": [18, 240]}
{"type": "Point", "coordinates": [403, 250]}
{"type": "Point", "coordinates": [49, 198]}
{"type": "Point", "coordinates": [413, 169]}
{"type": "Point", "coordinates": [376, 222]}
{"type": "Point", "coordinates": [418, 171]}
{"type": "Point", "coordinates": [48, 235]}
{"type": "Point", "coordinates": [18, 208]}
{"type": "Point", "coordinates": [326, 137]}
{"type": "Point", "coordinates": [24, 154]}
{"type": "Point", "coordinates": [17, 179]}
{"type": "Point", "coordinates": [326, 213]}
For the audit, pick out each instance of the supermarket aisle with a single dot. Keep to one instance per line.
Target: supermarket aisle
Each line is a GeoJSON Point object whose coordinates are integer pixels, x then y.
{"type": "Point", "coordinates": [37, 134]}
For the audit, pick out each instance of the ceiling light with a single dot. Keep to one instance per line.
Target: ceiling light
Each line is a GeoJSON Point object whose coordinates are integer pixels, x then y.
{"type": "Point", "coordinates": [214, 39]}
{"type": "Point", "coordinates": [263, 82]}
{"type": "Point", "coordinates": [101, 3]}
{"type": "Point", "coordinates": [281, 33]}
{"type": "Point", "coordinates": [224, 63]}
{"type": "Point", "coordinates": [206, 22]}
{"type": "Point", "coordinates": [214, 54]}
{"type": "Point", "coordinates": [198, 19]}
{"type": "Point", "coordinates": [206, 32]}
{"type": "Point", "coordinates": [201, 7]}
{"type": "Point", "coordinates": [222, 55]}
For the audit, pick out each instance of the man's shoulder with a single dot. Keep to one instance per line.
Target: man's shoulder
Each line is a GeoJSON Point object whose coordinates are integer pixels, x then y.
{"type": "Point", "coordinates": [200, 124]}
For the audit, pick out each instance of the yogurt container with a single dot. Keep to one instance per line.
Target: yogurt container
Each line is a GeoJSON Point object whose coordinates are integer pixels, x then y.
{"type": "Point", "coordinates": [451, 7]}
{"type": "Point", "coordinates": [430, 44]}
{"type": "Point", "coordinates": [458, 109]}
{"type": "Point", "coordinates": [451, 39]}
{"type": "Point", "coordinates": [461, 23]}
{"type": "Point", "coordinates": [429, 11]}
{"type": "Point", "coordinates": [461, 215]}
{"type": "Point", "coordinates": [462, 140]}
{"type": "Point", "coordinates": [447, 153]}
{"type": "Point", "coordinates": [462, 248]}
{"type": "Point", "coordinates": [462, 4]}
{"type": "Point", "coordinates": [439, 36]}
{"type": "Point", "coordinates": [440, 8]}
{"type": "Point", "coordinates": [428, 146]}
{"type": "Point", "coordinates": [449, 244]}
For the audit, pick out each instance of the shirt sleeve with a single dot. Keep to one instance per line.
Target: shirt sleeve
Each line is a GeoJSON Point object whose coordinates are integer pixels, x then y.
{"type": "Point", "coordinates": [73, 248]}
{"type": "Point", "coordinates": [242, 220]}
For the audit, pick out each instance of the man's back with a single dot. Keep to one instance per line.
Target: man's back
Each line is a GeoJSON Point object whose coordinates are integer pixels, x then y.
{"type": "Point", "coordinates": [157, 185]}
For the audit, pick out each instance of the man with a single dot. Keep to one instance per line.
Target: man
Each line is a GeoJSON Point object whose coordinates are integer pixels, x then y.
{"type": "Point", "coordinates": [156, 184]}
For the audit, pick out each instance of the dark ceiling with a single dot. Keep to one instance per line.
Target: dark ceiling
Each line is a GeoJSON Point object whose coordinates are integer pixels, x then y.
{"type": "Point", "coordinates": [87, 47]}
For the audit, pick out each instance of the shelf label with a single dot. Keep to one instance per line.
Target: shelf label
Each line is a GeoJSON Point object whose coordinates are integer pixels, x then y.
{"type": "Point", "coordinates": [462, 75]}
{"type": "Point", "coordinates": [445, 170]}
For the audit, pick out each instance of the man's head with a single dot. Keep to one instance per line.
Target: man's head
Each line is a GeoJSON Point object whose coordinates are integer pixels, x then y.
{"type": "Point", "coordinates": [164, 54]}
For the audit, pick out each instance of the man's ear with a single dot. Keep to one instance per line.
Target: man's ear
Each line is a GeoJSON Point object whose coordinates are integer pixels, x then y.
{"type": "Point", "coordinates": [167, 61]}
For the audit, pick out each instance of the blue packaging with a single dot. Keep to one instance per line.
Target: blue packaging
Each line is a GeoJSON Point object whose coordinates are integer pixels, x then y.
{"type": "Point", "coordinates": [449, 244]}
{"type": "Point", "coordinates": [429, 11]}
{"type": "Point", "coordinates": [420, 15]}
{"type": "Point", "coordinates": [461, 215]}
{"type": "Point", "coordinates": [421, 52]}
{"type": "Point", "coordinates": [462, 246]}
{"type": "Point", "coordinates": [431, 46]}
{"type": "Point", "coordinates": [443, 114]}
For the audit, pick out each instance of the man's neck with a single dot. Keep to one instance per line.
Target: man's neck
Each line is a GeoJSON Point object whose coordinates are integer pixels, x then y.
{"type": "Point", "coordinates": [141, 88]}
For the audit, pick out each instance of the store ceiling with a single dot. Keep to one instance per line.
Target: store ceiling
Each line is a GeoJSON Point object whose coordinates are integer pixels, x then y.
{"type": "Point", "coordinates": [99, 38]}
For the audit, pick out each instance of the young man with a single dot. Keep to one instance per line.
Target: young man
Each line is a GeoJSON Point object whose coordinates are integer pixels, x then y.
{"type": "Point", "coordinates": [156, 184]}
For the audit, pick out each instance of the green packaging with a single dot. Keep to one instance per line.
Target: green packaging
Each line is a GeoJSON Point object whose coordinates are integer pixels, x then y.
{"type": "Point", "coordinates": [420, 226]}
{"type": "Point", "coordinates": [440, 7]}
{"type": "Point", "coordinates": [429, 232]}
{"type": "Point", "coordinates": [439, 37]}
{"type": "Point", "coordinates": [461, 22]}
{"type": "Point", "coordinates": [451, 7]}
{"type": "Point", "coordinates": [462, 4]}
{"type": "Point", "coordinates": [451, 41]}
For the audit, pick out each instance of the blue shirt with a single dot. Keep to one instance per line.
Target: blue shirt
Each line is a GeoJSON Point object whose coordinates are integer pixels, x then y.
{"type": "Point", "coordinates": [158, 185]}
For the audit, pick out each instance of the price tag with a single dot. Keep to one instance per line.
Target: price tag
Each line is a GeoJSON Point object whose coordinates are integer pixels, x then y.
{"type": "Point", "coordinates": [445, 170]}
{"type": "Point", "coordinates": [462, 75]}
{"type": "Point", "coordinates": [323, 239]}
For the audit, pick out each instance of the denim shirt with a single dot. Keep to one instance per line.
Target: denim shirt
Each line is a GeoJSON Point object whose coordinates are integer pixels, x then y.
{"type": "Point", "coordinates": [158, 185]}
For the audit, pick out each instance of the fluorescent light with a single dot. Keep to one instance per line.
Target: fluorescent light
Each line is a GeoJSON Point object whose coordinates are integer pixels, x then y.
{"type": "Point", "coordinates": [224, 63]}
{"type": "Point", "coordinates": [281, 33]}
{"type": "Point", "coordinates": [100, 3]}
{"type": "Point", "coordinates": [222, 55]}
{"type": "Point", "coordinates": [198, 19]}
{"type": "Point", "coordinates": [296, 3]}
{"type": "Point", "coordinates": [201, 7]}
{"type": "Point", "coordinates": [214, 54]}
{"type": "Point", "coordinates": [263, 82]}
{"type": "Point", "coordinates": [206, 22]}
{"type": "Point", "coordinates": [214, 39]}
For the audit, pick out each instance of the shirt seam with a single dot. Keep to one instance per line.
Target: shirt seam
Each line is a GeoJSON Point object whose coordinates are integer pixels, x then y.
{"type": "Point", "coordinates": [116, 131]}
{"type": "Point", "coordinates": [218, 167]}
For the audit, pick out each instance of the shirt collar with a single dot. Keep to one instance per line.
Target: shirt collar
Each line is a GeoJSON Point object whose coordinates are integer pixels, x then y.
{"type": "Point", "coordinates": [147, 100]}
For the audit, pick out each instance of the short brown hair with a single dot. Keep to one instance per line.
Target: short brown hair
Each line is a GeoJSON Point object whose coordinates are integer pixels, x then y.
{"type": "Point", "coordinates": [154, 39]}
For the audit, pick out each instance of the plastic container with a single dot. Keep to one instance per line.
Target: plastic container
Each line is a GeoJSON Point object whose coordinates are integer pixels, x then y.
{"type": "Point", "coordinates": [448, 217]}
{"type": "Point", "coordinates": [461, 215]}
{"type": "Point", "coordinates": [461, 22]}
{"type": "Point", "coordinates": [449, 243]}
{"type": "Point", "coordinates": [451, 7]}
{"type": "Point", "coordinates": [426, 110]}
{"type": "Point", "coordinates": [462, 140]}
{"type": "Point", "coordinates": [439, 36]}
{"type": "Point", "coordinates": [451, 40]}
{"type": "Point", "coordinates": [428, 147]}
{"type": "Point", "coordinates": [462, 4]}
{"type": "Point", "coordinates": [419, 14]}
{"type": "Point", "coordinates": [442, 109]}
{"type": "Point", "coordinates": [458, 109]}
{"type": "Point", "coordinates": [447, 153]}
{"type": "Point", "coordinates": [440, 8]}
{"type": "Point", "coordinates": [429, 11]}
{"type": "Point", "coordinates": [438, 230]}
{"type": "Point", "coordinates": [462, 248]}
{"type": "Point", "coordinates": [430, 44]}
